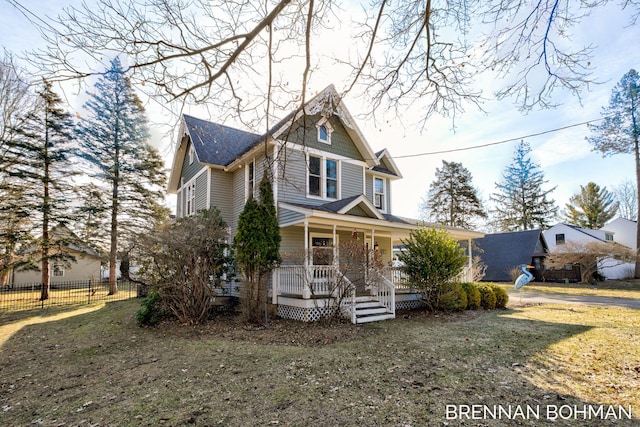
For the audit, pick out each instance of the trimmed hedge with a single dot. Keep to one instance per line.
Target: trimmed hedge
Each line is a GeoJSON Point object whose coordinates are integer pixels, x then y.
{"type": "Point", "coordinates": [502, 298]}
{"type": "Point", "coordinates": [473, 295]}
{"type": "Point", "coordinates": [487, 296]}
{"type": "Point", "coordinates": [453, 298]}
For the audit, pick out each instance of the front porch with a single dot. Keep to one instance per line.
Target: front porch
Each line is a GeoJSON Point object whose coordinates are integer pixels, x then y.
{"type": "Point", "coordinates": [316, 291]}
{"type": "Point", "coordinates": [339, 257]}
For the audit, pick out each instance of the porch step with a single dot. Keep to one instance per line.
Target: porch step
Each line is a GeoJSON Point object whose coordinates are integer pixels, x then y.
{"type": "Point", "coordinates": [368, 309]}
{"type": "Point", "coordinates": [377, 318]}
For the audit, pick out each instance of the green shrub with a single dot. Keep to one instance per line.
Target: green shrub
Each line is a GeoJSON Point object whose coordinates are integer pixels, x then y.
{"type": "Point", "coordinates": [452, 298]}
{"type": "Point", "coordinates": [150, 312]}
{"type": "Point", "coordinates": [487, 297]}
{"type": "Point", "coordinates": [473, 295]}
{"type": "Point", "coordinates": [502, 298]}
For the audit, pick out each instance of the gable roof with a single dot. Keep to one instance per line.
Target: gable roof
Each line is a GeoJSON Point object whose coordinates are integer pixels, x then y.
{"type": "Point", "coordinates": [594, 234]}
{"type": "Point", "coordinates": [501, 252]}
{"type": "Point", "coordinates": [386, 164]}
{"type": "Point", "coordinates": [216, 144]}
{"type": "Point", "coordinates": [222, 146]}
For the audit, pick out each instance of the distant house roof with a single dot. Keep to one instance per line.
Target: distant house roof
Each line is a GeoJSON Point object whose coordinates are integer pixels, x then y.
{"type": "Point", "coordinates": [501, 252]}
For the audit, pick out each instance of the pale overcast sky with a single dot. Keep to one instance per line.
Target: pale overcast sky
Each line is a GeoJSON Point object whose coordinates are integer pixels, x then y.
{"type": "Point", "coordinates": [564, 156]}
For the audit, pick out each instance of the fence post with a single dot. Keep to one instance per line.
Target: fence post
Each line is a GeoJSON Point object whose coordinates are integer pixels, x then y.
{"type": "Point", "coordinates": [89, 293]}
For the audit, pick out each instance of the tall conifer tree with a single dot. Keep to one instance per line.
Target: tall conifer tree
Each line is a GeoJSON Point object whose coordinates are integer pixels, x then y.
{"type": "Point", "coordinates": [452, 199]}
{"type": "Point", "coordinates": [114, 137]}
{"type": "Point", "coordinates": [592, 207]}
{"type": "Point", "coordinates": [619, 131]}
{"type": "Point", "coordinates": [521, 203]}
{"type": "Point", "coordinates": [45, 170]}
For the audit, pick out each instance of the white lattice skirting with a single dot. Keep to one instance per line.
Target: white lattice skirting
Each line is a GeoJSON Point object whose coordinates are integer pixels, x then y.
{"type": "Point", "coordinates": [304, 314]}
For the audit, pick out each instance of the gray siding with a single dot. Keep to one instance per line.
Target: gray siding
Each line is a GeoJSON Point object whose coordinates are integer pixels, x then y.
{"type": "Point", "coordinates": [201, 191]}
{"type": "Point", "coordinates": [221, 196]}
{"type": "Point", "coordinates": [292, 245]}
{"type": "Point", "coordinates": [286, 216]}
{"type": "Point", "coordinates": [292, 178]}
{"type": "Point", "coordinates": [190, 170]}
{"type": "Point", "coordinates": [341, 143]}
{"type": "Point", "coordinates": [351, 180]}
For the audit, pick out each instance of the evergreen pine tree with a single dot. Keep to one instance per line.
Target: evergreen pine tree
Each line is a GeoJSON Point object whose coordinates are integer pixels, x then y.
{"type": "Point", "coordinates": [452, 199]}
{"type": "Point", "coordinates": [619, 131]}
{"type": "Point", "coordinates": [592, 208]}
{"type": "Point", "coordinates": [521, 203]}
{"type": "Point", "coordinates": [45, 168]}
{"type": "Point", "coordinates": [113, 139]}
{"type": "Point", "coordinates": [257, 247]}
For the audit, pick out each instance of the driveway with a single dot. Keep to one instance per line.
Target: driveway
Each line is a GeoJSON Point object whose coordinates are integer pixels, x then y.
{"type": "Point", "coordinates": [517, 298]}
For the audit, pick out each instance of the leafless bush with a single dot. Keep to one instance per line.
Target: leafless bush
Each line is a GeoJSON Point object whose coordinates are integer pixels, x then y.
{"type": "Point", "coordinates": [185, 263]}
{"type": "Point", "coordinates": [589, 256]}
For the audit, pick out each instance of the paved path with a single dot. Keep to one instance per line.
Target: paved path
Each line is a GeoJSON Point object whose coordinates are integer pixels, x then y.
{"type": "Point", "coordinates": [520, 298]}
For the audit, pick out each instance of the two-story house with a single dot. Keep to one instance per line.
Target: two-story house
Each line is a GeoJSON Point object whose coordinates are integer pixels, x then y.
{"type": "Point", "coordinates": [620, 231]}
{"type": "Point", "coordinates": [329, 187]}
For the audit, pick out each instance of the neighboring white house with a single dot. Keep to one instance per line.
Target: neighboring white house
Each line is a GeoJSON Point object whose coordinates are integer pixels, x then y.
{"type": "Point", "coordinates": [85, 267]}
{"type": "Point", "coordinates": [617, 231]}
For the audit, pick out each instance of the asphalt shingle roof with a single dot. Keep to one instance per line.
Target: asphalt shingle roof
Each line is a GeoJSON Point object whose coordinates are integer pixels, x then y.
{"type": "Point", "coordinates": [501, 252]}
{"type": "Point", "coordinates": [217, 144]}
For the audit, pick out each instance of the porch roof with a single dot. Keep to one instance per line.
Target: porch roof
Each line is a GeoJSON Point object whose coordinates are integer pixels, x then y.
{"type": "Point", "coordinates": [337, 213]}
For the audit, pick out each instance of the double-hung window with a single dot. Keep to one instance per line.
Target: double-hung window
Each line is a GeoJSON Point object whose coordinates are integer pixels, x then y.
{"type": "Point", "coordinates": [322, 177]}
{"type": "Point", "coordinates": [251, 178]}
{"type": "Point", "coordinates": [379, 199]}
{"type": "Point", "coordinates": [190, 199]}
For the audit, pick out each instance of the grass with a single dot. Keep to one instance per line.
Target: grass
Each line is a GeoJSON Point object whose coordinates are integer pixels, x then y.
{"type": "Point", "coordinates": [28, 299]}
{"type": "Point", "coordinates": [611, 289]}
{"type": "Point", "coordinates": [99, 368]}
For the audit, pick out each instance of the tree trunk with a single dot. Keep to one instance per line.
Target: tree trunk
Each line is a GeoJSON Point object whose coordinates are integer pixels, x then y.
{"type": "Point", "coordinates": [636, 152]}
{"type": "Point", "coordinates": [113, 252]}
{"type": "Point", "coordinates": [46, 206]}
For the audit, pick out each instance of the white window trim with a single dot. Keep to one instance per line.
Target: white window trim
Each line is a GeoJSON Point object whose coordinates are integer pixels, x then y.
{"type": "Point", "coordinates": [191, 154]}
{"type": "Point", "coordinates": [246, 179]}
{"type": "Point", "coordinates": [324, 122]}
{"type": "Point", "coordinates": [190, 209]}
{"type": "Point", "coordinates": [385, 196]}
{"type": "Point", "coordinates": [323, 236]}
{"type": "Point", "coordinates": [323, 177]}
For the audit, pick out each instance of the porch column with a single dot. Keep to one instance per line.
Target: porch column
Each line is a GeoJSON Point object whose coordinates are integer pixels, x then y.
{"type": "Point", "coordinates": [335, 248]}
{"type": "Point", "coordinates": [306, 292]}
{"type": "Point", "coordinates": [275, 289]}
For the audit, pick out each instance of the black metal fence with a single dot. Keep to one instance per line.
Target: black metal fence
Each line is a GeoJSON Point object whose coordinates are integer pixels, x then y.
{"type": "Point", "coordinates": [28, 296]}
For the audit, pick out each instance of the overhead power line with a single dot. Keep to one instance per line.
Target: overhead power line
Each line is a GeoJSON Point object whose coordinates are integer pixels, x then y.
{"type": "Point", "coordinates": [504, 141]}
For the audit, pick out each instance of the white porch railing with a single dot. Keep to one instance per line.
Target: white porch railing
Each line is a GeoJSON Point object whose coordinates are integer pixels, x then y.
{"type": "Point", "coordinates": [384, 290]}
{"type": "Point", "coordinates": [298, 280]}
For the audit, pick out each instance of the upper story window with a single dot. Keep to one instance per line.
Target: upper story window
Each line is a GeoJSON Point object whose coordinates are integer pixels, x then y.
{"type": "Point", "coordinates": [608, 237]}
{"type": "Point", "coordinates": [324, 131]}
{"type": "Point", "coordinates": [560, 239]}
{"type": "Point", "coordinates": [192, 154]}
{"type": "Point", "coordinates": [379, 193]}
{"type": "Point", "coordinates": [251, 179]}
{"type": "Point", "coordinates": [190, 198]}
{"type": "Point", "coordinates": [322, 177]}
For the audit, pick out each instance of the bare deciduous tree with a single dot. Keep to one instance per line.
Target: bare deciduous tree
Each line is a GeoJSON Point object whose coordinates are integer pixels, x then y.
{"type": "Point", "coordinates": [592, 257]}
{"type": "Point", "coordinates": [626, 196]}
{"type": "Point", "coordinates": [421, 53]}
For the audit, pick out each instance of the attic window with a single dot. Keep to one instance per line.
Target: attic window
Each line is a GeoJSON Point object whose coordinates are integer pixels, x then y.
{"type": "Point", "coordinates": [560, 239]}
{"type": "Point", "coordinates": [324, 131]}
{"type": "Point", "coordinates": [608, 237]}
